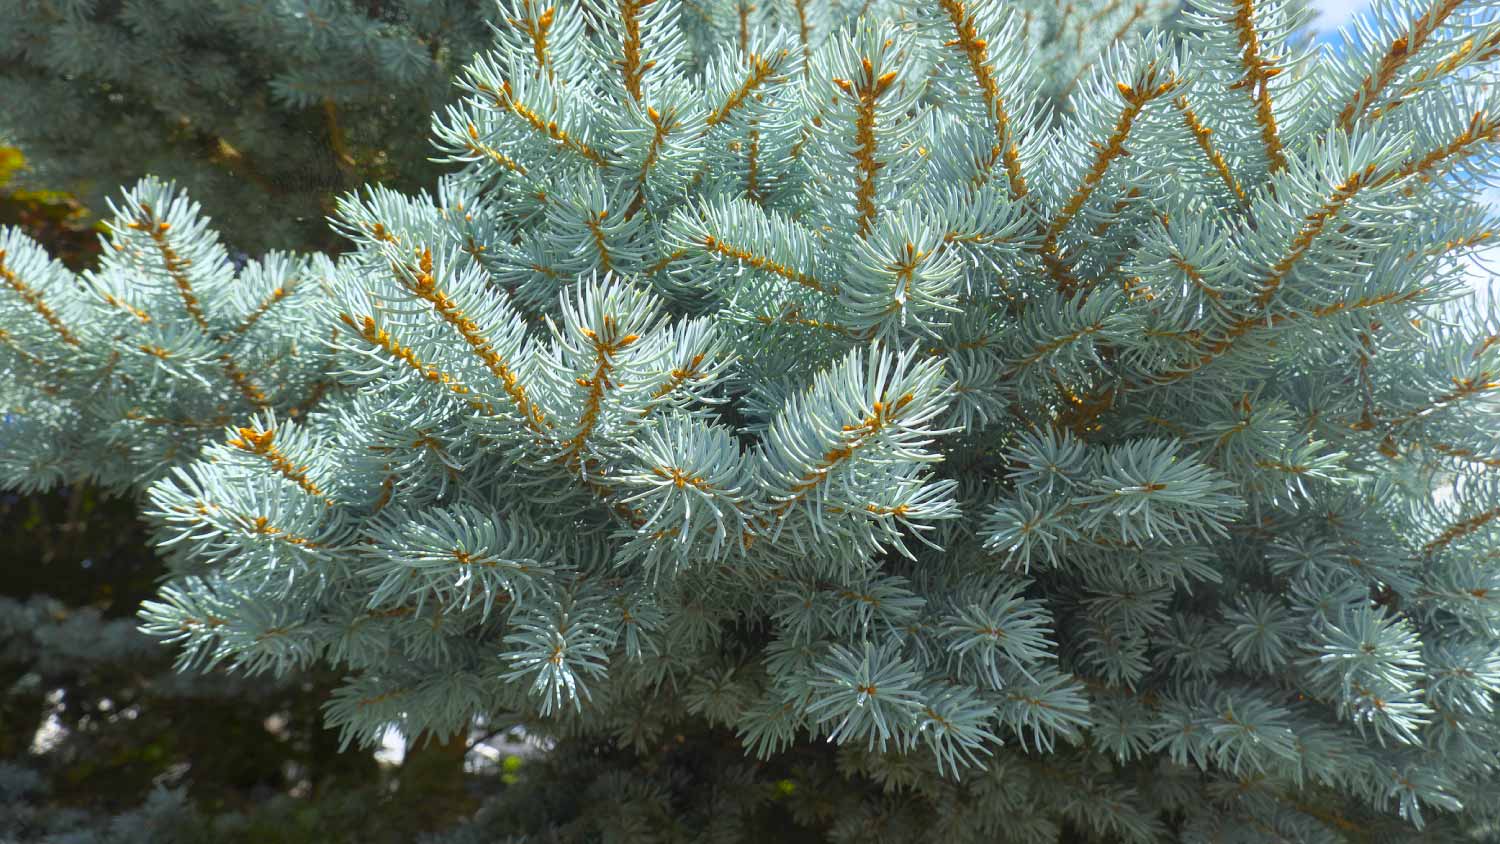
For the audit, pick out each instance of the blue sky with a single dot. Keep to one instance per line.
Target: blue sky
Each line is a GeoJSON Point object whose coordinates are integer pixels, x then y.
{"type": "Point", "coordinates": [1333, 14]}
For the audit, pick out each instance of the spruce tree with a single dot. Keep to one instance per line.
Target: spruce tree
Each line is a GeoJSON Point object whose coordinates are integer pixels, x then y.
{"type": "Point", "coordinates": [1070, 421]}
{"type": "Point", "coordinates": [264, 109]}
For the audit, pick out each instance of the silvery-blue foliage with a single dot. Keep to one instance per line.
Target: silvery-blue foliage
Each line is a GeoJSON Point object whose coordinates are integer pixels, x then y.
{"type": "Point", "coordinates": [1013, 392]}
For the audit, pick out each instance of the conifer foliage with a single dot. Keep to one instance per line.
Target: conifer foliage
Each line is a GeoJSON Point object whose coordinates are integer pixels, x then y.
{"type": "Point", "coordinates": [264, 108]}
{"type": "Point", "coordinates": [1012, 396]}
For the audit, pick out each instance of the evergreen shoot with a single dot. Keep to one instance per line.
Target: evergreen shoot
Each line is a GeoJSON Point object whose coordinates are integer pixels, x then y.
{"type": "Point", "coordinates": [1078, 416]}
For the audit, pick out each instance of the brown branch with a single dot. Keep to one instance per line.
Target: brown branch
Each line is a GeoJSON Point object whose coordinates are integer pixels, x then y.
{"type": "Point", "coordinates": [1462, 388]}
{"type": "Point", "coordinates": [419, 281]}
{"type": "Point", "coordinates": [1104, 12]}
{"type": "Point", "coordinates": [752, 166]}
{"type": "Point", "coordinates": [536, 30]}
{"type": "Point", "coordinates": [1258, 75]}
{"type": "Point", "coordinates": [1135, 15]}
{"type": "Point", "coordinates": [761, 262]}
{"type": "Point", "coordinates": [744, 11]}
{"type": "Point", "coordinates": [505, 100]}
{"type": "Point", "coordinates": [1113, 148]}
{"type": "Point", "coordinates": [855, 437]}
{"type": "Point", "coordinates": [387, 486]}
{"type": "Point", "coordinates": [1485, 344]}
{"type": "Point", "coordinates": [976, 50]}
{"type": "Point", "coordinates": [665, 261]}
{"type": "Point", "coordinates": [1480, 53]}
{"type": "Point", "coordinates": [664, 126]}
{"type": "Point", "coordinates": [366, 329]}
{"type": "Point", "coordinates": [803, 33]}
{"type": "Point", "coordinates": [474, 145]}
{"type": "Point", "coordinates": [262, 443]}
{"type": "Point", "coordinates": [1460, 530]}
{"type": "Point", "coordinates": [30, 358]}
{"type": "Point", "coordinates": [1201, 134]}
{"type": "Point", "coordinates": [793, 316]}
{"type": "Point", "coordinates": [175, 264]}
{"type": "Point", "coordinates": [243, 382]}
{"type": "Point", "coordinates": [1218, 348]}
{"type": "Point", "coordinates": [227, 156]}
{"type": "Point", "coordinates": [1480, 129]}
{"type": "Point", "coordinates": [217, 422]}
{"type": "Point", "coordinates": [1313, 225]}
{"type": "Point", "coordinates": [319, 390]}
{"type": "Point", "coordinates": [1457, 243]}
{"type": "Point", "coordinates": [761, 69]}
{"type": "Point", "coordinates": [1467, 454]}
{"type": "Point", "coordinates": [866, 92]}
{"type": "Point", "coordinates": [632, 68]}
{"type": "Point", "coordinates": [605, 348]}
{"type": "Point", "coordinates": [176, 267]}
{"type": "Point", "coordinates": [597, 231]}
{"type": "Point", "coordinates": [276, 296]}
{"type": "Point", "coordinates": [125, 306]}
{"type": "Point", "coordinates": [677, 377]}
{"type": "Point", "coordinates": [1052, 346]}
{"type": "Point", "coordinates": [1114, 213]}
{"type": "Point", "coordinates": [1396, 56]}
{"type": "Point", "coordinates": [1195, 277]}
{"type": "Point", "coordinates": [34, 298]}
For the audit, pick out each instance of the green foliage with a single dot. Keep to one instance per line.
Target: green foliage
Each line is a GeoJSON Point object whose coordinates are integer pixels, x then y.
{"type": "Point", "coordinates": [265, 110]}
{"type": "Point", "coordinates": [1085, 426]}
